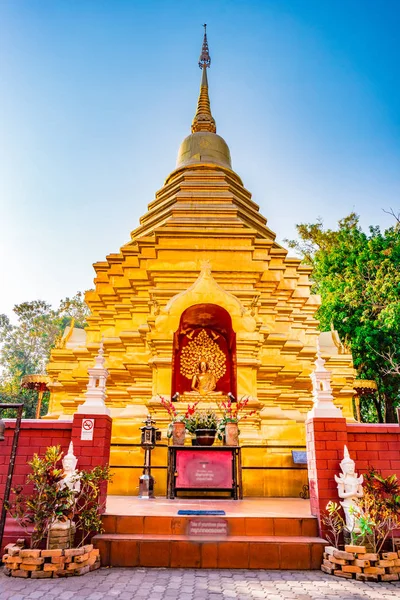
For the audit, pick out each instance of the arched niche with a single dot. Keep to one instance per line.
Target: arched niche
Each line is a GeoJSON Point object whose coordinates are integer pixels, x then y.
{"type": "Point", "coordinates": [217, 323]}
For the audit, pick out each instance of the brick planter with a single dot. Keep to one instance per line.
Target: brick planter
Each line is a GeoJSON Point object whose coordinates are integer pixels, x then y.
{"type": "Point", "coordinates": [42, 564]}
{"type": "Point", "coordinates": [354, 562]}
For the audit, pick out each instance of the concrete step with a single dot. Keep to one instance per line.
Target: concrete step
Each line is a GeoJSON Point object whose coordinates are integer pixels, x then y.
{"type": "Point", "coordinates": [237, 525]}
{"type": "Point", "coordinates": [233, 552]}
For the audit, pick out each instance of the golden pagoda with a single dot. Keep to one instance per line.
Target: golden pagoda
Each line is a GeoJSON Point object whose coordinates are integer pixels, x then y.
{"type": "Point", "coordinates": [203, 280]}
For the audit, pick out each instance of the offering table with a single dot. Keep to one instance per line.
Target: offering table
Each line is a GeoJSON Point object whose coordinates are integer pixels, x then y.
{"type": "Point", "coordinates": [204, 469]}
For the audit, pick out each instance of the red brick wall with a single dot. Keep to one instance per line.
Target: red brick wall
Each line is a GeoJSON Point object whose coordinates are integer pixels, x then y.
{"type": "Point", "coordinates": [375, 446]}
{"type": "Point", "coordinates": [369, 445]}
{"type": "Point", "coordinates": [92, 453]}
{"type": "Point", "coordinates": [36, 436]}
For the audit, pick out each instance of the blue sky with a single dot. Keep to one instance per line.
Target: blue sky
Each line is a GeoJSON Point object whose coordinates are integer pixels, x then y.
{"type": "Point", "coordinates": [96, 96]}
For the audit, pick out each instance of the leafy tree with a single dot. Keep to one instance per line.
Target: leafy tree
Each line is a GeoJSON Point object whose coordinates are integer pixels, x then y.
{"type": "Point", "coordinates": [357, 275]}
{"type": "Point", "coordinates": [25, 347]}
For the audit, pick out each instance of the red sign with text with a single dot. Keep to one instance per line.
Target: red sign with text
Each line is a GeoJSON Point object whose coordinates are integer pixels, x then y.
{"type": "Point", "coordinates": [204, 469]}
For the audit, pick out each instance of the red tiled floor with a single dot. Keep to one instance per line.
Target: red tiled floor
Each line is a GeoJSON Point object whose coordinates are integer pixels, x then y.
{"type": "Point", "coordinates": [267, 533]}
{"type": "Point", "coordinates": [264, 556]}
{"type": "Point", "coordinates": [179, 525]}
{"type": "Point", "coordinates": [316, 555]}
{"type": "Point", "coordinates": [109, 523]}
{"type": "Point", "coordinates": [157, 524]}
{"type": "Point", "coordinates": [233, 555]}
{"type": "Point", "coordinates": [124, 555]}
{"type": "Point", "coordinates": [309, 527]}
{"type": "Point", "coordinates": [129, 524]}
{"type": "Point", "coordinates": [209, 555]}
{"type": "Point", "coordinates": [287, 527]}
{"type": "Point", "coordinates": [154, 554]}
{"type": "Point", "coordinates": [295, 557]}
{"type": "Point", "coordinates": [185, 554]}
{"type": "Point", "coordinates": [236, 526]}
{"type": "Point", "coordinates": [104, 547]}
{"type": "Point", "coordinates": [248, 507]}
{"type": "Point", "coordinates": [259, 526]}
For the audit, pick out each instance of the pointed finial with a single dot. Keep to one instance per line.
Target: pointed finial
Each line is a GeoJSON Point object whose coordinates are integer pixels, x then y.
{"type": "Point", "coordinates": [203, 120]}
{"type": "Point", "coordinates": [205, 267]}
{"type": "Point", "coordinates": [100, 359]}
{"type": "Point", "coordinates": [205, 59]}
{"type": "Point", "coordinates": [319, 362]}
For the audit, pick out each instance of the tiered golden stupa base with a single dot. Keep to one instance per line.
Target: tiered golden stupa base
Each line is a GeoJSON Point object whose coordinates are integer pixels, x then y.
{"type": "Point", "coordinates": [203, 257]}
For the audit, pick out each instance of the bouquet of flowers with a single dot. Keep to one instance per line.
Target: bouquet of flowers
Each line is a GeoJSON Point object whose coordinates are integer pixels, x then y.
{"type": "Point", "coordinates": [231, 413]}
{"type": "Point", "coordinates": [178, 417]}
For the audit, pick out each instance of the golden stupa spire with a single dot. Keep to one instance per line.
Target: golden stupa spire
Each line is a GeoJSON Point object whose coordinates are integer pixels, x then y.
{"type": "Point", "coordinates": [203, 119]}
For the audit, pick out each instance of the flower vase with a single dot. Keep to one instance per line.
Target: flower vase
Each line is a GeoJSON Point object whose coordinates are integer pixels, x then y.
{"type": "Point", "coordinates": [178, 434]}
{"type": "Point", "coordinates": [205, 437]}
{"type": "Point", "coordinates": [231, 434]}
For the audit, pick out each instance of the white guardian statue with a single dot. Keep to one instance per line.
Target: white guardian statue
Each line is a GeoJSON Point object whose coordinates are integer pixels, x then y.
{"type": "Point", "coordinates": [350, 490]}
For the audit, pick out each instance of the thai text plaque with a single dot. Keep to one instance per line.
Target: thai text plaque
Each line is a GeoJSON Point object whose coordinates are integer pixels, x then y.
{"type": "Point", "coordinates": [204, 469]}
{"type": "Point", "coordinates": [209, 527]}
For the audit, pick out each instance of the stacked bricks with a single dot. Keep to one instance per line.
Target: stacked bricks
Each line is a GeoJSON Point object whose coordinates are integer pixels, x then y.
{"type": "Point", "coordinates": [354, 562]}
{"type": "Point", "coordinates": [326, 439]}
{"type": "Point", "coordinates": [43, 564]}
{"type": "Point", "coordinates": [61, 538]}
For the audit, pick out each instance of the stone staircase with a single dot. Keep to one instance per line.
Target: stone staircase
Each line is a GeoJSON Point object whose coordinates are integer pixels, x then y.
{"type": "Point", "coordinates": [248, 542]}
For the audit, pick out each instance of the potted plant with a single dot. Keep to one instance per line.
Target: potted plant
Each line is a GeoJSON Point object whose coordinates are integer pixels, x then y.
{"type": "Point", "coordinates": [177, 426]}
{"type": "Point", "coordinates": [51, 502]}
{"type": "Point", "coordinates": [228, 426]}
{"type": "Point", "coordinates": [367, 552]}
{"type": "Point", "coordinates": [204, 425]}
{"type": "Point", "coordinates": [58, 551]}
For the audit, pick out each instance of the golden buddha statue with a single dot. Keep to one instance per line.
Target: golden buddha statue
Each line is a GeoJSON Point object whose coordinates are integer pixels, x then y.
{"type": "Point", "coordinates": [204, 381]}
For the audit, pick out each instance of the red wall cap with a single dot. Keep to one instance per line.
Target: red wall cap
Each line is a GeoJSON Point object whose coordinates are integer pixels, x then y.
{"type": "Point", "coordinates": [39, 424]}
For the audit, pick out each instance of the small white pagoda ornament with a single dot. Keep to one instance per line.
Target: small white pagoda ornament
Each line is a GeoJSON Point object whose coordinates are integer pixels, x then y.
{"type": "Point", "coordinates": [322, 392]}
{"type": "Point", "coordinates": [350, 490]}
{"type": "Point", "coordinates": [96, 389]}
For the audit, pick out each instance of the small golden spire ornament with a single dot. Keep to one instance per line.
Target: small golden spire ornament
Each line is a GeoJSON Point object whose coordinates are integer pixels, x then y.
{"type": "Point", "coordinates": [205, 59]}
{"type": "Point", "coordinates": [203, 119]}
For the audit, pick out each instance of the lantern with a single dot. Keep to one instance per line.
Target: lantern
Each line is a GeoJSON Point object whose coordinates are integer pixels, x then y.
{"type": "Point", "coordinates": [148, 441]}
{"type": "Point", "coordinates": [149, 434]}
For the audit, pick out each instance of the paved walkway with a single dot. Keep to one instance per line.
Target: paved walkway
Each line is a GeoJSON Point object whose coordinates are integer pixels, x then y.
{"type": "Point", "coordinates": [191, 584]}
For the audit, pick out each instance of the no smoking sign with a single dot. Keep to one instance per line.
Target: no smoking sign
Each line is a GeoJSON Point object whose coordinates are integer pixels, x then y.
{"type": "Point", "coordinates": [87, 429]}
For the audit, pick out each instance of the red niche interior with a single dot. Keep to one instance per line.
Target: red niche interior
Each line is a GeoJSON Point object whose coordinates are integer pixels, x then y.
{"type": "Point", "coordinates": [217, 322]}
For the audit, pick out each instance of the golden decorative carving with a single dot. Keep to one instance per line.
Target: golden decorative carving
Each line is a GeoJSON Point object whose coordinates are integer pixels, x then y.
{"type": "Point", "coordinates": [202, 349]}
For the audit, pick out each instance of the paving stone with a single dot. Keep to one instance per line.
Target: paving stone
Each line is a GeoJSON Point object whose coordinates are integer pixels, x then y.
{"type": "Point", "coordinates": [191, 584]}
